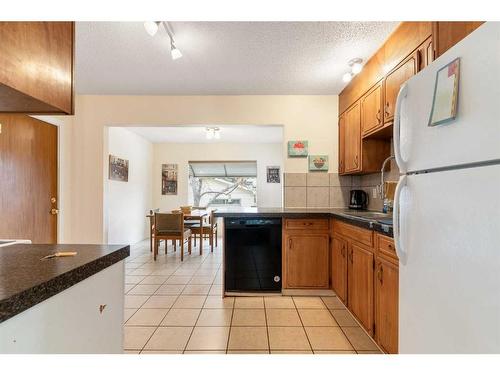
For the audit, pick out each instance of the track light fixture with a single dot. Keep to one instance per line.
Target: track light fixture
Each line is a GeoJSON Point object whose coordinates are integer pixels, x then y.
{"type": "Point", "coordinates": [152, 28]}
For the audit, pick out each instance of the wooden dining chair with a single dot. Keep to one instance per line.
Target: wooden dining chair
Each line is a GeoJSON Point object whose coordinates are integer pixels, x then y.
{"type": "Point", "coordinates": [207, 230]}
{"type": "Point", "coordinates": [152, 227]}
{"type": "Point", "coordinates": [171, 227]}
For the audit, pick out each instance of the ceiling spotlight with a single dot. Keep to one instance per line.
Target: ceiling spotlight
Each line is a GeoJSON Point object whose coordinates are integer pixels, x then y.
{"type": "Point", "coordinates": [347, 77]}
{"type": "Point", "coordinates": [355, 65]}
{"type": "Point", "coordinates": [174, 51]}
{"type": "Point", "coordinates": [152, 27]}
{"type": "Point", "coordinates": [212, 133]}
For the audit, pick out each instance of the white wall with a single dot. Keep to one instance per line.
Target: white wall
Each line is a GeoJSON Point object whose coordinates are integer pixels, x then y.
{"type": "Point", "coordinates": [128, 202]}
{"type": "Point", "coordinates": [311, 117]}
{"type": "Point", "coordinates": [266, 154]}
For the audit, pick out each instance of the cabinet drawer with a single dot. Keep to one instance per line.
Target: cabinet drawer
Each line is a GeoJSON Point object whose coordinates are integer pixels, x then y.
{"type": "Point", "coordinates": [385, 246]}
{"type": "Point", "coordinates": [317, 224]}
{"type": "Point", "coordinates": [361, 235]}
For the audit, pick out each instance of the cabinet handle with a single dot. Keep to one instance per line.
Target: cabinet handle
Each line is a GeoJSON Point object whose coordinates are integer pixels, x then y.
{"type": "Point", "coordinates": [378, 116]}
{"type": "Point", "coordinates": [101, 308]}
{"type": "Point", "coordinates": [380, 273]}
{"type": "Point", "coordinates": [290, 243]}
{"type": "Point", "coordinates": [387, 109]}
{"type": "Point", "coordinates": [356, 160]}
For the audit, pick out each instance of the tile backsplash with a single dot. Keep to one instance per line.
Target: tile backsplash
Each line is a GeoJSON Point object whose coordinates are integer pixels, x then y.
{"type": "Point", "coordinates": [317, 190]}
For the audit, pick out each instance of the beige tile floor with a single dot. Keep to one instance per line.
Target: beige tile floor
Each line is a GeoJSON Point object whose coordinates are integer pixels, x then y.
{"type": "Point", "coordinates": [177, 307]}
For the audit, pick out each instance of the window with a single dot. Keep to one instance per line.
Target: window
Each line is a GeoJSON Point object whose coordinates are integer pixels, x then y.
{"type": "Point", "coordinates": [220, 184]}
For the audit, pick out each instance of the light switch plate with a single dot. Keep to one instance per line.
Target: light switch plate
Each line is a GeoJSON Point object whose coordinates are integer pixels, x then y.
{"type": "Point", "coordinates": [374, 193]}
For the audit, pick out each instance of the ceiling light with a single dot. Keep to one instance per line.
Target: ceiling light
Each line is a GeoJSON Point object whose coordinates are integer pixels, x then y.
{"type": "Point", "coordinates": [355, 65]}
{"type": "Point", "coordinates": [152, 27]}
{"type": "Point", "coordinates": [347, 77]}
{"type": "Point", "coordinates": [212, 133]}
{"type": "Point", "coordinates": [209, 133]}
{"type": "Point", "coordinates": [175, 52]}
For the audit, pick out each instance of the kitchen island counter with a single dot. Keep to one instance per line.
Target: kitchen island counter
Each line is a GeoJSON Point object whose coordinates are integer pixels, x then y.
{"type": "Point", "coordinates": [68, 304]}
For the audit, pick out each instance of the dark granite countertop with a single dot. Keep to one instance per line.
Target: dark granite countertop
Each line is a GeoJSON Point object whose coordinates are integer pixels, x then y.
{"type": "Point", "coordinates": [365, 219]}
{"type": "Point", "coordinates": [25, 280]}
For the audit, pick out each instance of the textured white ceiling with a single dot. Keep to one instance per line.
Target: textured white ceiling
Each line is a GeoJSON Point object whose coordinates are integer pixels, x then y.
{"type": "Point", "coordinates": [197, 134]}
{"type": "Point", "coordinates": [222, 58]}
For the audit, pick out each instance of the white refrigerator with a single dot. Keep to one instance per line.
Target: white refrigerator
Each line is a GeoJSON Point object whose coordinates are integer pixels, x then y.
{"type": "Point", "coordinates": [447, 206]}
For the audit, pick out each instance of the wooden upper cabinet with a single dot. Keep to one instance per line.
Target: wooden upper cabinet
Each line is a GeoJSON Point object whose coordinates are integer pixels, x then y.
{"type": "Point", "coordinates": [447, 34]}
{"type": "Point", "coordinates": [36, 67]}
{"type": "Point", "coordinates": [339, 267]}
{"type": "Point", "coordinates": [387, 304]}
{"type": "Point", "coordinates": [371, 109]}
{"type": "Point", "coordinates": [426, 53]}
{"type": "Point", "coordinates": [360, 284]}
{"type": "Point", "coordinates": [306, 260]}
{"type": "Point", "coordinates": [352, 139]}
{"type": "Point", "coordinates": [394, 80]}
{"type": "Point", "coordinates": [341, 144]}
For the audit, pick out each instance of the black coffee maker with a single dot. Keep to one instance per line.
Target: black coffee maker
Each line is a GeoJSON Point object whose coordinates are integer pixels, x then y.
{"type": "Point", "coordinates": [358, 200]}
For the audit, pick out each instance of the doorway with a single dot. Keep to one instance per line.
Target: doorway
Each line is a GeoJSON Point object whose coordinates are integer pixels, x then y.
{"type": "Point", "coordinates": [28, 179]}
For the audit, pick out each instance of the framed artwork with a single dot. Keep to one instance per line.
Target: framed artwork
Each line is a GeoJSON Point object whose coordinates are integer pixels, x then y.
{"type": "Point", "coordinates": [273, 175]}
{"type": "Point", "coordinates": [318, 162]}
{"type": "Point", "coordinates": [445, 100]}
{"type": "Point", "coordinates": [169, 179]}
{"type": "Point", "coordinates": [298, 148]}
{"type": "Point", "coordinates": [118, 169]}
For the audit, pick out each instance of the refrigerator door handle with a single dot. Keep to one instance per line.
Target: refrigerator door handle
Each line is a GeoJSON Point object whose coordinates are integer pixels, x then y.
{"type": "Point", "coordinates": [397, 128]}
{"type": "Point", "coordinates": [396, 220]}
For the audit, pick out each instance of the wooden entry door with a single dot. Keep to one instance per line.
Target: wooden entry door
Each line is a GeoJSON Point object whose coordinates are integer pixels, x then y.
{"type": "Point", "coordinates": [28, 179]}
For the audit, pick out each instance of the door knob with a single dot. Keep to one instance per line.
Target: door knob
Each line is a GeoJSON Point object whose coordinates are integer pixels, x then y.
{"type": "Point", "coordinates": [54, 211]}
{"type": "Point", "coordinates": [53, 200]}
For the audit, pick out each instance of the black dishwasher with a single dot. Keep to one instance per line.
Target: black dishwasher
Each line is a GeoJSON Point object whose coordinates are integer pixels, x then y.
{"type": "Point", "coordinates": [252, 254]}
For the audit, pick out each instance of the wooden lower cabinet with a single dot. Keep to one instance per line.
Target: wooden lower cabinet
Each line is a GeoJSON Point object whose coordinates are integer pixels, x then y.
{"type": "Point", "coordinates": [365, 276]}
{"type": "Point", "coordinates": [305, 256]}
{"type": "Point", "coordinates": [339, 267]}
{"type": "Point", "coordinates": [387, 304]}
{"type": "Point", "coordinates": [360, 284]}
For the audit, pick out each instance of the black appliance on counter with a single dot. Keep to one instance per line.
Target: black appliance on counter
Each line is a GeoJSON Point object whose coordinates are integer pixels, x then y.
{"type": "Point", "coordinates": [358, 200]}
{"type": "Point", "coordinates": [252, 254]}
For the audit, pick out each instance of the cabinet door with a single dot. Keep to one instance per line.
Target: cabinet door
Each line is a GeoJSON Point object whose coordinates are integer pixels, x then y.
{"type": "Point", "coordinates": [371, 110]}
{"type": "Point", "coordinates": [36, 67]}
{"type": "Point", "coordinates": [447, 34]}
{"type": "Point", "coordinates": [360, 285]}
{"type": "Point", "coordinates": [307, 260]}
{"type": "Point", "coordinates": [386, 305]}
{"type": "Point", "coordinates": [341, 143]}
{"type": "Point", "coordinates": [426, 53]}
{"type": "Point", "coordinates": [339, 267]}
{"type": "Point", "coordinates": [352, 141]}
{"type": "Point", "coordinates": [394, 80]}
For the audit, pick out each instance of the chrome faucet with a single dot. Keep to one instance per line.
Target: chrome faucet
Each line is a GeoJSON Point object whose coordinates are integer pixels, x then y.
{"type": "Point", "coordinates": [382, 185]}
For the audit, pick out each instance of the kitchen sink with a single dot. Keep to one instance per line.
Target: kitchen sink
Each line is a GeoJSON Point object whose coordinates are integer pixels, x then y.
{"type": "Point", "coordinates": [371, 215]}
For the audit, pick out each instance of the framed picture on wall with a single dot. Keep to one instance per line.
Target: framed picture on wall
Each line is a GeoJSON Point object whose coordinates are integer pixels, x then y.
{"type": "Point", "coordinates": [298, 148]}
{"type": "Point", "coordinates": [118, 169]}
{"type": "Point", "coordinates": [273, 175]}
{"type": "Point", "coordinates": [169, 179]}
{"type": "Point", "coordinates": [318, 163]}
